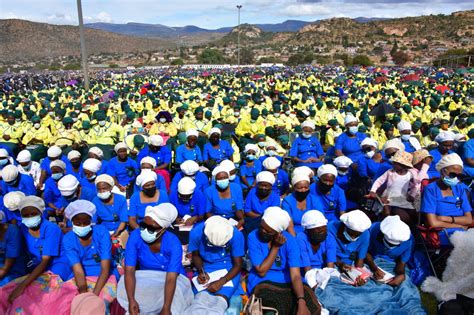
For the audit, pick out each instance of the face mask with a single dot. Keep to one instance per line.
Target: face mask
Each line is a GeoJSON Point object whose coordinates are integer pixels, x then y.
{"type": "Point", "coordinates": [287, 112]}
{"type": "Point", "coordinates": [325, 188]}
{"type": "Point", "coordinates": [162, 120]}
{"type": "Point", "coordinates": [92, 177]}
{"type": "Point", "coordinates": [3, 162]}
{"type": "Point", "coordinates": [353, 130]}
{"type": "Point", "coordinates": [271, 153]}
{"type": "Point", "coordinates": [148, 237]}
{"type": "Point", "coordinates": [232, 177]}
{"type": "Point", "coordinates": [262, 144]}
{"type": "Point", "coordinates": [388, 245]}
{"type": "Point", "coordinates": [236, 114]}
{"type": "Point", "coordinates": [264, 237]}
{"type": "Point", "coordinates": [263, 193]}
{"type": "Point", "coordinates": [222, 183]}
{"type": "Point", "coordinates": [56, 176]}
{"type": "Point", "coordinates": [31, 222]}
{"type": "Point", "coordinates": [81, 231]}
{"type": "Point", "coordinates": [406, 137]}
{"type": "Point", "coordinates": [306, 135]}
{"type": "Point", "coordinates": [74, 119]}
{"type": "Point", "coordinates": [451, 181]}
{"type": "Point", "coordinates": [316, 238]}
{"type": "Point", "coordinates": [149, 192]}
{"type": "Point", "coordinates": [348, 237]}
{"type": "Point", "coordinates": [37, 126]}
{"type": "Point", "coordinates": [51, 113]}
{"type": "Point", "coordinates": [250, 157]}
{"type": "Point", "coordinates": [343, 173]}
{"type": "Point", "coordinates": [102, 123]}
{"type": "Point", "coordinates": [369, 154]}
{"type": "Point", "coordinates": [301, 195]}
{"type": "Point", "coordinates": [27, 167]}
{"type": "Point", "coordinates": [276, 115]}
{"type": "Point", "coordinates": [104, 195]}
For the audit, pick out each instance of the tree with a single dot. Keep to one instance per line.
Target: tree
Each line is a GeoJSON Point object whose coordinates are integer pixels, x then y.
{"type": "Point", "coordinates": [211, 56]}
{"type": "Point", "coordinates": [247, 56]}
{"type": "Point", "coordinates": [400, 58]}
{"type": "Point", "coordinates": [362, 60]}
{"type": "Point", "coordinates": [113, 65]}
{"type": "Point", "coordinates": [384, 59]}
{"type": "Point", "coordinates": [177, 62]}
{"type": "Point", "coordinates": [394, 48]}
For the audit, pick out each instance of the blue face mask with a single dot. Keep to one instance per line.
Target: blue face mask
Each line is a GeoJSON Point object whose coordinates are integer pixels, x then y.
{"type": "Point", "coordinates": [348, 237]}
{"type": "Point", "coordinates": [31, 222]}
{"type": "Point", "coordinates": [353, 130]}
{"type": "Point", "coordinates": [148, 237]}
{"type": "Point", "coordinates": [81, 231]}
{"type": "Point", "coordinates": [3, 162]}
{"type": "Point", "coordinates": [222, 183]}
{"type": "Point", "coordinates": [250, 157]}
{"type": "Point", "coordinates": [451, 181]}
{"type": "Point", "coordinates": [57, 176]}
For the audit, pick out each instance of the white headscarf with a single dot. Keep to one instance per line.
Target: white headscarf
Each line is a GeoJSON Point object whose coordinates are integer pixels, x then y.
{"type": "Point", "coordinates": [9, 173]}
{"type": "Point", "coordinates": [186, 186]}
{"type": "Point", "coordinates": [276, 218]}
{"type": "Point", "coordinates": [218, 230]}
{"type": "Point", "coordinates": [79, 206]}
{"type": "Point", "coordinates": [265, 177]}
{"type": "Point", "coordinates": [356, 220]}
{"type": "Point", "coordinates": [189, 167]}
{"type": "Point", "coordinates": [271, 163]}
{"type": "Point", "coordinates": [342, 161]}
{"type": "Point", "coordinates": [148, 160]}
{"type": "Point", "coordinates": [54, 151]}
{"type": "Point", "coordinates": [13, 199]}
{"type": "Point", "coordinates": [92, 165]}
{"type": "Point", "coordinates": [313, 219]}
{"type": "Point", "coordinates": [24, 156]}
{"type": "Point", "coordinates": [104, 178]}
{"type": "Point", "coordinates": [146, 176]}
{"type": "Point", "coordinates": [327, 169]}
{"type": "Point", "coordinates": [395, 231]}
{"type": "Point", "coordinates": [164, 214]}
{"type": "Point", "coordinates": [67, 185]}
{"type": "Point", "coordinates": [449, 160]}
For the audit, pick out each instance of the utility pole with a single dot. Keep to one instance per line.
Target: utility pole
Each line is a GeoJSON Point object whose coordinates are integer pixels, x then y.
{"type": "Point", "coordinates": [83, 46]}
{"type": "Point", "coordinates": [238, 36]}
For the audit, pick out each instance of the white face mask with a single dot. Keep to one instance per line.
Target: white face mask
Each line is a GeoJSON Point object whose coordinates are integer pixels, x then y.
{"type": "Point", "coordinates": [369, 154]}
{"type": "Point", "coordinates": [406, 137]}
{"type": "Point", "coordinates": [37, 126]}
{"type": "Point", "coordinates": [162, 120]}
{"type": "Point", "coordinates": [102, 123]}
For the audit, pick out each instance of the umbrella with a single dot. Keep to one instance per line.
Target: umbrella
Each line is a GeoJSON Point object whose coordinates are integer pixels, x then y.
{"type": "Point", "coordinates": [383, 109]}
{"type": "Point", "coordinates": [381, 79]}
{"type": "Point", "coordinates": [414, 83]}
{"type": "Point", "coordinates": [72, 82]}
{"type": "Point", "coordinates": [442, 88]}
{"type": "Point", "coordinates": [257, 76]}
{"type": "Point", "coordinates": [411, 77]}
{"type": "Point", "coordinates": [206, 74]}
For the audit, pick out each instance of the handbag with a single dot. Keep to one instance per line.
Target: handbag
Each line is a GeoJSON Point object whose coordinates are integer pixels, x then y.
{"type": "Point", "coordinates": [254, 307]}
{"type": "Point", "coordinates": [431, 236]}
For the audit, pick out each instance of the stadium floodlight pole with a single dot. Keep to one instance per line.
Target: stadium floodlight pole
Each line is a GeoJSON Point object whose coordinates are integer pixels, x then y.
{"type": "Point", "coordinates": [238, 36]}
{"type": "Point", "coordinates": [83, 46]}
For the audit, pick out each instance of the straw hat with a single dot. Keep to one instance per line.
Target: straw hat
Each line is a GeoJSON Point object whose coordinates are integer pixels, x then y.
{"type": "Point", "coordinates": [420, 155]}
{"type": "Point", "coordinates": [403, 158]}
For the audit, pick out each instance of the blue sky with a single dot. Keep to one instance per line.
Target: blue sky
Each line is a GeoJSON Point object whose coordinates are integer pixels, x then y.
{"type": "Point", "coordinates": [219, 13]}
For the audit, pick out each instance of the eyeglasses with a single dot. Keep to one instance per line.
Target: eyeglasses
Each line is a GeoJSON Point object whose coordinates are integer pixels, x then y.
{"type": "Point", "coordinates": [151, 229]}
{"type": "Point", "coordinates": [453, 175]}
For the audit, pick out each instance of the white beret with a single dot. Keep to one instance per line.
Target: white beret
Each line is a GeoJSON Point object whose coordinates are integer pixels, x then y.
{"type": "Point", "coordinates": [9, 173]}
{"type": "Point", "coordinates": [192, 132]}
{"type": "Point", "coordinates": [394, 144]}
{"type": "Point", "coordinates": [228, 165]}
{"type": "Point", "coordinates": [445, 136]}
{"type": "Point", "coordinates": [119, 146]}
{"type": "Point", "coordinates": [459, 137]}
{"type": "Point", "coordinates": [299, 177]}
{"type": "Point", "coordinates": [271, 163]}
{"type": "Point", "coordinates": [92, 165]}
{"type": "Point", "coordinates": [24, 156]}
{"type": "Point", "coordinates": [54, 151]}
{"type": "Point", "coordinates": [313, 219]}
{"type": "Point", "coordinates": [58, 163]}
{"type": "Point", "coordinates": [164, 214]}
{"type": "Point", "coordinates": [3, 153]}
{"type": "Point", "coordinates": [156, 140]}
{"type": "Point", "coordinates": [369, 141]}
{"type": "Point", "coordinates": [449, 160]}
{"type": "Point", "coordinates": [13, 199]}
{"type": "Point", "coordinates": [404, 125]}
{"type": "Point", "coordinates": [327, 169]}
{"type": "Point", "coordinates": [104, 178]}
{"type": "Point", "coordinates": [265, 177]}
{"type": "Point", "coordinates": [67, 185]}
{"type": "Point", "coordinates": [250, 146]}
{"type": "Point", "coordinates": [308, 123]}
{"type": "Point", "coordinates": [276, 218]}
{"type": "Point", "coordinates": [214, 130]}
{"type": "Point", "coordinates": [148, 160]}
{"type": "Point", "coordinates": [356, 220]}
{"type": "Point", "coordinates": [219, 169]}
{"type": "Point", "coordinates": [186, 186]}
{"type": "Point", "coordinates": [342, 161]}
{"type": "Point", "coordinates": [189, 167]}
{"type": "Point", "coordinates": [146, 176]}
{"type": "Point", "coordinates": [303, 170]}
{"type": "Point", "coordinates": [78, 207]}
{"type": "Point", "coordinates": [97, 151]}
{"type": "Point", "coordinates": [32, 201]}
{"type": "Point", "coordinates": [73, 155]}
{"type": "Point", "coordinates": [218, 230]}
{"type": "Point", "coordinates": [349, 119]}
{"type": "Point", "coordinates": [395, 231]}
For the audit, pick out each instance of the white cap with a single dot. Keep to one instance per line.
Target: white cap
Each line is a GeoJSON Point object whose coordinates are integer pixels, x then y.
{"type": "Point", "coordinates": [148, 160]}
{"type": "Point", "coordinates": [218, 230]}
{"type": "Point", "coordinates": [369, 141]}
{"type": "Point", "coordinates": [92, 165]}
{"type": "Point", "coordinates": [186, 186]}
{"type": "Point", "coordinates": [146, 176]}
{"type": "Point", "coordinates": [189, 167]}
{"type": "Point", "coordinates": [349, 119]}
{"type": "Point", "coordinates": [219, 169]}
{"type": "Point", "coordinates": [445, 136]}
{"type": "Point", "coordinates": [276, 218]}
{"type": "Point", "coordinates": [156, 140]}
{"type": "Point", "coordinates": [228, 165]}
{"type": "Point", "coordinates": [97, 151]}
{"type": "Point", "coordinates": [250, 146]}
{"type": "Point", "coordinates": [342, 161]}
{"type": "Point", "coordinates": [449, 160]}
{"type": "Point", "coordinates": [327, 169]}
{"type": "Point", "coordinates": [403, 125]}
{"type": "Point", "coordinates": [67, 185]}
{"type": "Point", "coordinates": [308, 123]}
{"type": "Point", "coordinates": [395, 231]}
{"type": "Point", "coordinates": [104, 178]}
{"type": "Point", "coordinates": [9, 173]}
{"type": "Point", "coordinates": [214, 130]}
{"type": "Point", "coordinates": [13, 199]}
{"type": "Point", "coordinates": [73, 155]}
{"type": "Point", "coordinates": [394, 144]}
{"type": "Point", "coordinates": [164, 214]}
{"type": "Point", "coordinates": [303, 170]}
{"type": "Point", "coordinates": [24, 156]}
{"type": "Point", "coordinates": [265, 177]}
{"type": "Point", "coordinates": [54, 151]}
{"type": "Point", "coordinates": [313, 219]}
{"type": "Point", "coordinates": [192, 132]}
{"type": "Point", "coordinates": [80, 206]}
{"type": "Point", "coordinates": [356, 220]}
{"type": "Point", "coordinates": [58, 163]}
{"type": "Point", "coordinates": [299, 177]}
{"type": "Point", "coordinates": [119, 146]}
{"type": "Point", "coordinates": [271, 163]}
{"type": "Point", "coordinates": [3, 153]}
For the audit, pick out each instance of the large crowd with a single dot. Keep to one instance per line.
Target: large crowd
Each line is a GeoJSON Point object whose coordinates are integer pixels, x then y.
{"type": "Point", "coordinates": [307, 190]}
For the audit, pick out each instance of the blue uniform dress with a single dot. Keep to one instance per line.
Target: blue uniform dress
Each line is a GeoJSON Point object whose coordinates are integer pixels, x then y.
{"type": "Point", "coordinates": [408, 146]}
{"type": "Point", "coordinates": [49, 243]}
{"type": "Point", "coordinates": [196, 206]}
{"type": "Point", "coordinates": [288, 257]}
{"type": "Point", "coordinates": [432, 172]}
{"type": "Point", "coordinates": [468, 153]}
{"type": "Point", "coordinates": [384, 166]}
{"type": "Point", "coordinates": [162, 156]}
{"type": "Point", "coordinates": [255, 204]}
{"type": "Point", "coordinates": [289, 205]}
{"type": "Point", "coordinates": [224, 152]}
{"type": "Point", "coordinates": [47, 161]}
{"type": "Point", "coordinates": [282, 182]}
{"type": "Point", "coordinates": [90, 185]}
{"type": "Point", "coordinates": [86, 194]}
{"type": "Point", "coordinates": [12, 215]}
{"type": "Point", "coordinates": [110, 216]}
{"type": "Point", "coordinates": [379, 250]}
{"type": "Point", "coordinates": [368, 167]}
{"type": "Point", "coordinates": [250, 172]}
{"type": "Point", "coordinates": [304, 149]}
{"type": "Point", "coordinates": [325, 254]}
{"type": "Point", "coordinates": [137, 208]}
{"type": "Point", "coordinates": [79, 174]}
{"type": "Point", "coordinates": [26, 185]}
{"type": "Point", "coordinates": [12, 246]}
{"type": "Point", "coordinates": [224, 207]}
{"type": "Point", "coordinates": [279, 158]}
{"type": "Point", "coordinates": [349, 252]}
{"type": "Point", "coordinates": [51, 195]}
{"type": "Point", "coordinates": [350, 147]}
{"type": "Point", "coordinates": [332, 204]}
{"type": "Point", "coordinates": [201, 180]}
{"type": "Point", "coordinates": [168, 259]}
{"type": "Point", "coordinates": [159, 183]}
{"type": "Point", "coordinates": [217, 258]}
{"type": "Point", "coordinates": [125, 172]}
{"type": "Point", "coordinates": [184, 154]}
{"type": "Point", "coordinates": [88, 256]}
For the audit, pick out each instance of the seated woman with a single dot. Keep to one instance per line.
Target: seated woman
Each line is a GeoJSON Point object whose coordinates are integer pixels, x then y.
{"type": "Point", "coordinates": [229, 166]}
{"type": "Point", "coordinates": [190, 169]}
{"type": "Point", "coordinates": [11, 202]}
{"type": "Point", "coordinates": [98, 154]}
{"type": "Point", "coordinates": [299, 201]}
{"type": "Point", "coordinates": [13, 259]}
{"type": "Point", "coordinates": [13, 180]}
{"type": "Point", "coordinates": [330, 196]}
{"type": "Point", "coordinates": [89, 252]}
{"type": "Point", "coordinates": [41, 290]}
{"type": "Point", "coordinates": [123, 169]}
{"type": "Point", "coordinates": [216, 150]}
{"type": "Point", "coordinates": [250, 168]}
{"type": "Point", "coordinates": [52, 195]}
{"type": "Point", "coordinates": [282, 180]}
{"type": "Point", "coordinates": [161, 153]}
{"type": "Point", "coordinates": [258, 199]}
{"type": "Point", "coordinates": [154, 280]}
{"type": "Point", "coordinates": [224, 198]}
{"type": "Point", "coordinates": [71, 190]}
{"type": "Point", "coordinates": [275, 276]}
{"type": "Point", "coordinates": [148, 196]}
{"type": "Point", "coordinates": [348, 143]}
{"type": "Point", "coordinates": [445, 140]}
{"type": "Point", "coordinates": [216, 245]}
{"type": "Point", "coordinates": [112, 209]}
{"type": "Point", "coordinates": [75, 164]}
{"type": "Point", "coordinates": [271, 150]}
{"type": "Point", "coordinates": [146, 167]}
{"type": "Point", "coordinates": [370, 162]}
{"type": "Point", "coordinates": [189, 150]}
{"type": "Point", "coordinates": [445, 202]}
{"type": "Point", "coordinates": [306, 149]}
{"type": "Point", "coordinates": [164, 127]}
{"type": "Point", "coordinates": [344, 172]}
{"type": "Point", "coordinates": [91, 168]}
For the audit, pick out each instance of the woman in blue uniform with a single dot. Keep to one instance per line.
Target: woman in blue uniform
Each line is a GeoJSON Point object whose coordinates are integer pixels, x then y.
{"type": "Point", "coordinates": [91, 168]}
{"type": "Point", "coordinates": [250, 168]}
{"type": "Point", "coordinates": [190, 169]}
{"type": "Point", "coordinates": [157, 150]}
{"type": "Point", "coordinates": [306, 150]}
{"type": "Point", "coordinates": [189, 150]}
{"type": "Point", "coordinates": [11, 207]}
{"type": "Point", "coordinates": [445, 146]}
{"type": "Point", "coordinates": [191, 203]}
{"type": "Point", "coordinates": [370, 162]}
{"type": "Point", "coordinates": [282, 180]}
{"type": "Point", "coordinates": [123, 169]}
{"type": "Point", "coordinates": [149, 164]}
{"type": "Point", "coordinates": [12, 180]}
{"type": "Point", "coordinates": [112, 209]}
{"type": "Point", "coordinates": [216, 150]}
{"type": "Point", "coordinates": [348, 143]}
{"type": "Point", "coordinates": [52, 195]}
{"type": "Point", "coordinates": [12, 252]}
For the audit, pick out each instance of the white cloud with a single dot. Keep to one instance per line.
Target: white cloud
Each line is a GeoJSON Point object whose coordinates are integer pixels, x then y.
{"type": "Point", "coordinates": [295, 10]}
{"type": "Point", "coordinates": [100, 17]}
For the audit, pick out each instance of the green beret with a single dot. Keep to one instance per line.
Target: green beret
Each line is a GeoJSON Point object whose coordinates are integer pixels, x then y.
{"type": "Point", "coordinates": [386, 126]}
{"type": "Point", "coordinates": [284, 139]}
{"type": "Point", "coordinates": [226, 100]}
{"type": "Point", "coordinates": [35, 119]}
{"type": "Point", "coordinates": [241, 102]}
{"type": "Point", "coordinates": [254, 113]}
{"type": "Point", "coordinates": [264, 112]}
{"type": "Point", "coordinates": [396, 119]}
{"type": "Point", "coordinates": [130, 115]}
{"type": "Point", "coordinates": [332, 122]}
{"type": "Point", "coordinates": [270, 131]}
{"type": "Point", "coordinates": [185, 106]}
{"type": "Point", "coordinates": [417, 124]}
{"type": "Point", "coordinates": [138, 141]}
{"type": "Point", "coordinates": [208, 114]}
{"type": "Point", "coordinates": [362, 128]}
{"type": "Point", "coordinates": [433, 103]}
{"type": "Point", "coordinates": [407, 108]}
{"type": "Point", "coordinates": [434, 131]}
{"type": "Point", "coordinates": [100, 115]}
{"type": "Point", "coordinates": [199, 110]}
{"type": "Point", "coordinates": [68, 120]}
{"type": "Point", "coordinates": [86, 124]}
{"type": "Point", "coordinates": [470, 120]}
{"type": "Point", "coordinates": [276, 108]}
{"type": "Point", "coordinates": [470, 134]}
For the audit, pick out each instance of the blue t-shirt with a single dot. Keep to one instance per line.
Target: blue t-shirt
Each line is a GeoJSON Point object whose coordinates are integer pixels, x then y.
{"type": "Point", "coordinates": [26, 185]}
{"type": "Point", "coordinates": [162, 156]}
{"type": "Point", "coordinates": [137, 208]}
{"type": "Point", "coordinates": [88, 256]}
{"type": "Point", "coordinates": [408, 146]}
{"type": "Point", "coordinates": [255, 204]}
{"type": "Point", "coordinates": [379, 250]}
{"type": "Point", "coordinates": [332, 204]}
{"type": "Point", "coordinates": [110, 216]}
{"type": "Point", "coordinates": [224, 152]}
{"type": "Point", "coordinates": [184, 154]}
{"type": "Point", "coordinates": [125, 172]}
{"type": "Point", "coordinates": [201, 180]}
{"type": "Point", "coordinates": [349, 252]}
{"type": "Point", "coordinates": [288, 257]}
{"type": "Point", "coordinates": [304, 149]}
{"type": "Point", "coordinates": [456, 205]}
{"type": "Point", "coordinates": [349, 146]}
{"type": "Point", "coordinates": [325, 254]}
{"type": "Point", "coordinates": [224, 207]}
{"type": "Point", "coordinates": [51, 193]}
{"type": "Point", "coordinates": [368, 167]}
{"type": "Point", "coordinates": [384, 166]}
{"type": "Point", "coordinates": [12, 246]}
{"type": "Point", "coordinates": [289, 205]}
{"type": "Point", "coordinates": [168, 259]}
{"type": "Point", "coordinates": [250, 172]}
{"type": "Point", "coordinates": [195, 206]}
{"type": "Point", "coordinates": [159, 183]}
